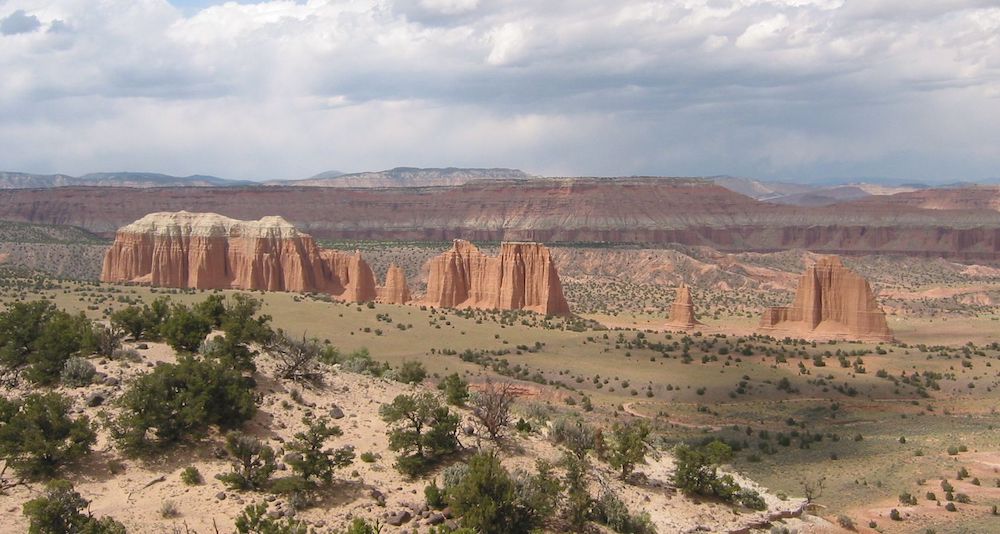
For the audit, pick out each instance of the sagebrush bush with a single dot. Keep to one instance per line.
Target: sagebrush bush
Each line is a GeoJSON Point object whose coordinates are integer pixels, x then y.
{"type": "Point", "coordinates": [191, 476]}
{"type": "Point", "coordinates": [77, 373]}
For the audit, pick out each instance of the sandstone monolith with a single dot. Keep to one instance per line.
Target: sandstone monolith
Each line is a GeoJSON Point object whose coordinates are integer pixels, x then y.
{"type": "Point", "coordinates": [210, 251]}
{"type": "Point", "coordinates": [682, 310]}
{"type": "Point", "coordinates": [831, 302]}
{"type": "Point", "coordinates": [523, 276]}
{"type": "Point", "coordinates": [395, 290]}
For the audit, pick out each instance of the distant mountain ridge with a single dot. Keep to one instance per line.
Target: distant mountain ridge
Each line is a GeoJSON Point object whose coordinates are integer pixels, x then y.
{"type": "Point", "coordinates": [21, 180]}
{"type": "Point", "coordinates": [406, 177]}
{"type": "Point", "coordinates": [812, 194]}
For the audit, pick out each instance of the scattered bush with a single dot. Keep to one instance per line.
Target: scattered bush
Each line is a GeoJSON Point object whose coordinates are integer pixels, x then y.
{"type": "Point", "coordinates": [611, 511]}
{"type": "Point", "coordinates": [179, 401]}
{"type": "Point", "coordinates": [627, 446]}
{"type": "Point", "coordinates": [253, 462]}
{"type": "Point", "coordinates": [456, 390]}
{"type": "Point", "coordinates": [310, 458]}
{"type": "Point", "coordinates": [60, 509]}
{"type": "Point", "coordinates": [411, 372]}
{"type": "Point", "coordinates": [185, 330]}
{"type": "Point", "coordinates": [37, 436]}
{"type": "Point", "coordinates": [254, 520]}
{"type": "Point", "coordinates": [190, 476]}
{"type": "Point", "coordinates": [491, 407]}
{"type": "Point", "coordinates": [77, 372]}
{"type": "Point", "coordinates": [421, 428]}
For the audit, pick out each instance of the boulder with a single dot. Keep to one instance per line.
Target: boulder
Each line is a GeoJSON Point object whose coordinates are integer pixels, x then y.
{"type": "Point", "coordinates": [209, 251]}
{"type": "Point", "coordinates": [398, 518]}
{"type": "Point", "coordinates": [831, 302]}
{"type": "Point", "coordinates": [522, 277]}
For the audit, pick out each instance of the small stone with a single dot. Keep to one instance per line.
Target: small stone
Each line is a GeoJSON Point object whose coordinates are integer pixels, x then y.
{"type": "Point", "coordinates": [142, 346]}
{"type": "Point", "coordinates": [336, 412]}
{"type": "Point", "coordinates": [221, 495]}
{"type": "Point", "coordinates": [111, 381]}
{"type": "Point", "coordinates": [435, 519]}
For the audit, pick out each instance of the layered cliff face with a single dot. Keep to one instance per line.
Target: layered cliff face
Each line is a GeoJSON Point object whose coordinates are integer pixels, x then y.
{"type": "Point", "coordinates": [682, 310]}
{"type": "Point", "coordinates": [395, 290]}
{"type": "Point", "coordinates": [831, 302]}
{"type": "Point", "coordinates": [209, 251]}
{"type": "Point", "coordinates": [523, 276]}
{"type": "Point", "coordinates": [625, 210]}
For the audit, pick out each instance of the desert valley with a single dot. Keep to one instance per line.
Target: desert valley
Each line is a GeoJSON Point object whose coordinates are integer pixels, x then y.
{"type": "Point", "coordinates": [731, 365]}
{"type": "Point", "coordinates": [499, 266]}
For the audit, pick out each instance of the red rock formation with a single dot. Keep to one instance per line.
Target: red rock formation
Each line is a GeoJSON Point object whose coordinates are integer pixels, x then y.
{"type": "Point", "coordinates": [395, 290]}
{"type": "Point", "coordinates": [682, 310]}
{"type": "Point", "coordinates": [523, 276]}
{"type": "Point", "coordinates": [831, 302]}
{"type": "Point", "coordinates": [209, 251]}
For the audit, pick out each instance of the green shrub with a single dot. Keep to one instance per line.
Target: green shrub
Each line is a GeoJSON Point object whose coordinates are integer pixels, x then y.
{"type": "Point", "coordinates": [37, 436]}
{"type": "Point", "coordinates": [456, 390]}
{"type": "Point", "coordinates": [627, 446]}
{"type": "Point", "coordinates": [43, 338]}
{"type": "Point", "coordinates": [254, 520]}
{"type": "Point", "coordinates": [60, 510]}
{"type": "Point", "coordinates": [179, 401]}
{"type": "Point", "coordinates": [253, 462]}
{"type": "Point", "coordinates": [185, 330]}
{"type": "Point", "coordinates": [411, 372]}
{"type": "Point", "coordinates": [77, 373]}
{"type": "Point", "coordinates": [611, 511]}
{"type": "Point", "coordinates": [421, 428]}
{"type": "Point", "coordinates": [310, 458]}
{"type": "Point", "coordinates": [487, 499]}
{"type": "Point", "coordinates": [434, 496]}
{"type": "Point", "coordinates": [368, 457]}
{"type": "Point", "coordinates": [697, 473]}
{"type": "Point", "coordinates": [360, 526]}
{"type": "Point", "coordinates": [191, 476]}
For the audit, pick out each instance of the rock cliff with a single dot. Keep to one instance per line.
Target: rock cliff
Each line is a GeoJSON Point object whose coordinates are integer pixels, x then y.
{"type": "Point", "coordinates": [395, 290]}
{"type": "Point", "coordinates": [523, 276]}
{"type": "Point", "coordinates": [209, 251]}
{"type": "Point", "coordinates": [621, 210]}
{"type": "Point", "coordinates": [831, 302]}
{"type": "Point", "coordinates": [682, 310]}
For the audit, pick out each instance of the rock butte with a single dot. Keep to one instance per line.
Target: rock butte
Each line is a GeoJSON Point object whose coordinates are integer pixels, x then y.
{"type": "Point", "coordinates": [523, 276]}
{"type": "Point", "coordinates": [682, 310]}
{"type": "Point", "coordinates": [831, 302]}
{"type": "Point", "coordinates": [395, 290]}
{"type": "Point", "coordinates": [209, 251]}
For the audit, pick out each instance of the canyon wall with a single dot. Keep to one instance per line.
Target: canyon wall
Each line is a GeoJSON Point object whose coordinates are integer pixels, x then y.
{"type": "Point", "coordinates": [831, 302]}
{"type": "Point", "coordinates": [209, 251]}
{"type": "Point", "coordinates": [642, 211]}
{"type": "Point", "coordinates": [523, 276]}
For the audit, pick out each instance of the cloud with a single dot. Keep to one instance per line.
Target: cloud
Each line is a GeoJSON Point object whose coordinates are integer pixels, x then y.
{"type": "Point", "coordinates": [793, 89]}
{"type": "Point", "coordinates": [19, 22]}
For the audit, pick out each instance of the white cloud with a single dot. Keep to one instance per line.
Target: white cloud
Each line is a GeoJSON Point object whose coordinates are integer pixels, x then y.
{"type": "Point", "coordinates": [284, 88]}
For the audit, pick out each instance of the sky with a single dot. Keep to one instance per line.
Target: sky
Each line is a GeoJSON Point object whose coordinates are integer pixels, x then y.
{"type": "Point", "coordinates": [798, 90]}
